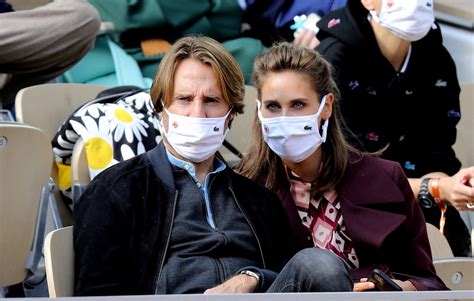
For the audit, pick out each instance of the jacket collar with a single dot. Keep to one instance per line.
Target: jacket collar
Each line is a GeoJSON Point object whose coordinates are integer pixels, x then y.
{"type": "Point", "coordinates": [161, 165]}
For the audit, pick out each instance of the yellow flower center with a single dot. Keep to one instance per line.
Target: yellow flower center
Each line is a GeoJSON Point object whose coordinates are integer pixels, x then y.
{"type": "Point", "coordinates": [123, 115]}
{"type": "Point", "coordinates": [64, 176]}
{"type": "Point", "coordinates": [99, 153]}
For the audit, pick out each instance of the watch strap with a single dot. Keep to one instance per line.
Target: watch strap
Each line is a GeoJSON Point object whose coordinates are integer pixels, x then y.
{"type": "Point", "coordinates": [251, 274]}
{"type": "Point", "coordinates": [424, 196]}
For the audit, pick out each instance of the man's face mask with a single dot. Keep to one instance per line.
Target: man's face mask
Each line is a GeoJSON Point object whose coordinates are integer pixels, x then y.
{"type": "Point", "coordinates": [410, 20]}
{"type": "Point", "coordinates": [196, 139]}
{"type": "Point", "coordinates": [294, 138]}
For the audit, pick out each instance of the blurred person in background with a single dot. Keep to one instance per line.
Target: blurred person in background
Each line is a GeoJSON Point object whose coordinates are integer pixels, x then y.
{"type": "Point", "coordinates": [38, 44]}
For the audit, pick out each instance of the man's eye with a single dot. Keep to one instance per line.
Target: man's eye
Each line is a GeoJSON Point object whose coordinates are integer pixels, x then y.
{"type": "Point", "coordinates": [211, 99]}
{"type": "Point", "coordinates": [182, 98]}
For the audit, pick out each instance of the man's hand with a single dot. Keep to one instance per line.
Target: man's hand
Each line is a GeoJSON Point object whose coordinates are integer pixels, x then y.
{"type": "Point", "coordinates": [237, 284]}
{"type": "Point", "coordinates": [458, 189]}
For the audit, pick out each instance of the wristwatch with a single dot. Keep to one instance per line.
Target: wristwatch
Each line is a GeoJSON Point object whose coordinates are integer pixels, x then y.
{"type": "Point", "coordinates": [424, 197]}
{"type": "Point", "coordinates": [251, 274]}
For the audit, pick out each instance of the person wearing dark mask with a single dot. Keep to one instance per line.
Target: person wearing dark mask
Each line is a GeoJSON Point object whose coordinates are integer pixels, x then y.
{"type": "Point", "coordinates": [400, 97]}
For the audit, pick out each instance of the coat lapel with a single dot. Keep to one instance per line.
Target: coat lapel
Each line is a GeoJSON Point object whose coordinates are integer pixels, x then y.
{"type": "Point", "coordinates": [372, 204]}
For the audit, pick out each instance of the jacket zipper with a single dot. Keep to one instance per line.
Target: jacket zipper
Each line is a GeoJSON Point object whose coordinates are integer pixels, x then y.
{"type": "Point", "coordinates": [251, 227]}
{"type": "Point", "coordinates": [167, 243]}
{"type": "Point", "coordinates": [209, 207]}
{"type": "Point", "coordinates": [220, 269]}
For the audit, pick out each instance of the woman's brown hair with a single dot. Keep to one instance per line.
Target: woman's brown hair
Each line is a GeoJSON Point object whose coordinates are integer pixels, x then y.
{"type": "Point", "coordinates": [261, 164]}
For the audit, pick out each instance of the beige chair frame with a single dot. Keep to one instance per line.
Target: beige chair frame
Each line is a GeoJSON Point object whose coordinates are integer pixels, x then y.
{"type": "Point", "coordinates": [59, 262]}
{"type": "Point", "coordinates": [464, 146]}
{"type": "Point", "coordinates": [439, 244]}
{"type": "Point", "coordinates": [55, 102]}
{"type": "Point", "coordinates": [25, 164]}
{"type": "Point", "coordinates": [457, 273]}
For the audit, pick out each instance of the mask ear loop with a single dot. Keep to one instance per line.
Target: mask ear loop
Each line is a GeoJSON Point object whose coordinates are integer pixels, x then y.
{"type": "Point", "coordinates": [160, 120]}
{"type": "Point", "coordinates": [259, 112]}
{"type": "Point", "coordinates": [326, 122]}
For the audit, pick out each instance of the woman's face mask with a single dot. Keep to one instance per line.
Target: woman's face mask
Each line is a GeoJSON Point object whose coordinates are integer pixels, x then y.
{"type": "Point", "coordinates": [196, 139]}
{"type": "Point", "coordinates": [410, 20]}
{"type": "Point", "coordinates": [293, 138]}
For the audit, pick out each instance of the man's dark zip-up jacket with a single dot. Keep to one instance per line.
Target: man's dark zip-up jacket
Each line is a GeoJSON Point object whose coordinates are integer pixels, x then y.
{"type": "Point", "coordinates": [123, 221]}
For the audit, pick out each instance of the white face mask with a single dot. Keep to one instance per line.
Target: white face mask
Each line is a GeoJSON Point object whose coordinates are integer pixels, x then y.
{"type": "Point", "coordinates": [408, 19]}
{"type": "Point", "coordinates": [293, 138]}
{"type": "Point", "coordinates": [196, 139]}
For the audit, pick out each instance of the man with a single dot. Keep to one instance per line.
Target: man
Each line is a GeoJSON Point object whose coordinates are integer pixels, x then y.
{"type": "Point", "coordinates": [178, 220]}
{"type": "Point", "coordinates": [39, 44]}
{"type": "Point", "coordinates": [400, 96]}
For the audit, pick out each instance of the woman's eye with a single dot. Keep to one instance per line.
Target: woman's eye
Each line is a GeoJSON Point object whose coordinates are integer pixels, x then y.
{"type": "Point", "coordinates": [298, 105]}
{"type": "Point", "coordinates": [272, 107]}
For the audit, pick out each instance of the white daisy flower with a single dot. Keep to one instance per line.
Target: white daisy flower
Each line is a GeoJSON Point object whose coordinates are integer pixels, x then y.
{"type": "Point", "coordinates": [98, 143]}
{"type": "Point", "coordinates": [94, 110]}
{"type": "Point", "coordinates": [124, 121]}
{"type": "Point", "coordinates": [138, 100]}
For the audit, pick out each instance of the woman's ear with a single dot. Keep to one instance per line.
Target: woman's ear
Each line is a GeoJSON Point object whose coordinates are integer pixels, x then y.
{"type": "Point", "coordinates": [327, 110]}
{"type": "Point", "coordinates": [368, 4]}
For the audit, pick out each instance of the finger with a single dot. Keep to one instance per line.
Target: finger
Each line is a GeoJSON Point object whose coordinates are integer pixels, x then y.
{"type": "Point", "coordinates": [471, 182]}
{"type": "Point", "coordinates": [308, 36]}
{"type": "Point", "coordinates": [363, 286]}
{"type": "Point", "coordinates": [364, 279]}
{"type": "Point", "coordinates": [211, 291]}
{"type": "Point", "coordinates": [314, 43]}
{"type": "Point", "coordinates": [297, 40]}
{"type": "Point", "coordinates": [462, 192]}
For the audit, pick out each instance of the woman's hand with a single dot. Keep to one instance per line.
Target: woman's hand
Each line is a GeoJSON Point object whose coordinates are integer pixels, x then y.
{"type": "Point", "coordinates": [365, 285]}
{"type": "Point", "coordinates": [405, 285]}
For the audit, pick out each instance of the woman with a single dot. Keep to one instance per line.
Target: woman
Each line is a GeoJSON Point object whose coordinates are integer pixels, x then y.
{"type": "Point", "coordinates": [359, 207]}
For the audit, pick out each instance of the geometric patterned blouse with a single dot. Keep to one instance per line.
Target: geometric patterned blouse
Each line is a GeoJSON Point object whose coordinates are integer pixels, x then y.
{"type": "Point", "coordinates": [323, 219]}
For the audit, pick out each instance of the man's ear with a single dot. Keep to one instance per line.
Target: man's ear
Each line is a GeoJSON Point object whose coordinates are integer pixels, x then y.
{"type": "Point", "coordinates": [230, 119]}
{"type": "Point", "coordinates": [368, 4]}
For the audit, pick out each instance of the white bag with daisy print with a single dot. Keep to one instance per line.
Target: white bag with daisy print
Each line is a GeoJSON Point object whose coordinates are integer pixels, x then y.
{"type": "Point", "coordinates": [112, 132]}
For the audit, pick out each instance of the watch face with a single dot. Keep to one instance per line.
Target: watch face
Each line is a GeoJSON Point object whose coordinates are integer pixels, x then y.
{"type": "Point", "coordinates": [425, 202]}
